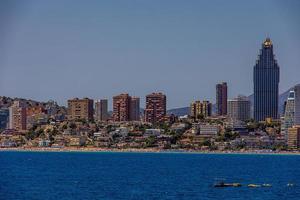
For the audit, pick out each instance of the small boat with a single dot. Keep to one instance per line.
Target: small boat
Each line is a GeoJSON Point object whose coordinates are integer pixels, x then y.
{"type": "Point", "coordinates": [253, 185]}
{"type": "Point", "coordinates": [236, 184]}
{"type": "Point", "coordinates": [290, 184]}
{"type": "Point", "coordinates": [222, 184]}
{"type": "Point", "coordinates": [266, 185]}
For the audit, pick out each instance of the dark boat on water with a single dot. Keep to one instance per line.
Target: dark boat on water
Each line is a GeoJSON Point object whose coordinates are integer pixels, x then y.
{"type": "Point", "coordinates": [222, 184]}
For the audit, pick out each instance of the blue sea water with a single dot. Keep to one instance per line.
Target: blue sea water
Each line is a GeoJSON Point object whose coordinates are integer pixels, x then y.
{"type": "Point", "coordinates": [81, 175]}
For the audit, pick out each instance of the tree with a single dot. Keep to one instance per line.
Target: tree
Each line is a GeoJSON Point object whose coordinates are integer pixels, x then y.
{"type": "Point", "coordinates": [200, 116]}
{"type": "Point", "coordinates": [150, 141]}
{"type": "Point", "coordinates": [206, 143]}
{"type": "Point", "coordinates": [72, 126]}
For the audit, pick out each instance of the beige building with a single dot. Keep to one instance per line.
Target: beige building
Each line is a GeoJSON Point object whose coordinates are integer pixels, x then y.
{"type": "Point", "coordinates": [17, 116]}
{"type": "Point", "coordinates": [294, 138]}
{"type": "Point", "coordinates": [199, 108]}
{"type": "Point", "coordinates": [77, 141]}
{"type": "Point", "coordinates": [80, 109]}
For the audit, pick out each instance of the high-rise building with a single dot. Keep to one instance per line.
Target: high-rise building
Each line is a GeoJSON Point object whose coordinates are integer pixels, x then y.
{"type": "Point", "coordinates": [101, 110]}
{"type": "Point", "coordinates": [126, 108]}
{"type": "Point", "coordinates": [221, 98]}
{"type": "Point", "coordinates": [206, 108]}
{"type": "Point", "coordinates": [121, 107]}
{"type": "Point", "coordinates": [80, 109]}
{"type": "Point", "coordinates": [266, 81]}
{"type": "Point", "coordinates": [196, 109]}
{"type": "Point", "coordinates": [239, 108]}
{"type": "Point", "coordinates": [297, 105]}
{"type": "Point", "coordinates": [289, 114]}
{"type": "Point", "coordinates": [156, 107]}
{"type": "Point", "coordinates": [17, 116]}
{"type": "Point", "coordinates": [135, 109]}
{"type": "Point", "coordinates": [4, 118]}
{"type": "Point", "coordinates": [200, 109]}
{"type": "Point", "coordinates": [294, 138]}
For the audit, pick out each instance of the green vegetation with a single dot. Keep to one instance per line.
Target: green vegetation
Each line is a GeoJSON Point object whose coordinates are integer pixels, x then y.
{"type": "Point", "coordinates": [150, 141]}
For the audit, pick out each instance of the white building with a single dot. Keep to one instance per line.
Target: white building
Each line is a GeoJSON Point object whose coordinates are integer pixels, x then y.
{"type": "Point", "coordinates": [205, 129]}
{"type": "Point", "coordinates": [289, 114]}
{"type": "Point", "coordinates": [297, 105]}
{"type": "Point", "coordinates": [152, 131]}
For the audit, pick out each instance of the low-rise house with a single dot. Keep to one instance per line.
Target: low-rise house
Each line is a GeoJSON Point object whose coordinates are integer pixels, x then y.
{"type": "Point", "coordinates": [178, 127]}
{"type": "Point", "coordinates": [238, 126]}
{"type": "Point", "coordinates": [77, 140]}
{"type": "Point", "coordinates": [205, 129]}
{"type": "Point", "coordinates": [120, 131]}
{"type": "Point", "coordinates": [103, 141]}
{"type": "Point", "coordinates": [7, 143]}
{"type": "Point", "coordinates": [152, 131]}
{"type": "Point", "coordinates": [44, 143]}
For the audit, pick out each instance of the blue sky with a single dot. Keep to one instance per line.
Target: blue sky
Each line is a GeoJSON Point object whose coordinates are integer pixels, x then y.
{"type": "Point", "coordinates": [63, 49]}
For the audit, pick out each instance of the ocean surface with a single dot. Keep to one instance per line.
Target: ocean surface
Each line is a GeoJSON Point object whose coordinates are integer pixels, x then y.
{"type": "Point", "coordinates": [82, 175]}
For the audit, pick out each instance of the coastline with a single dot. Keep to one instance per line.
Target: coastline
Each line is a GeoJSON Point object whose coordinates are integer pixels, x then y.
{"type": "Point", "coordinates": [148, 150]}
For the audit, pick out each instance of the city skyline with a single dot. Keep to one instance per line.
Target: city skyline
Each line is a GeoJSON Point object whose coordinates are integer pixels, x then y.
{"type": "Point", "coordinates": [100, 55]}
{"type": "Point", "coordinates": [150, 99]}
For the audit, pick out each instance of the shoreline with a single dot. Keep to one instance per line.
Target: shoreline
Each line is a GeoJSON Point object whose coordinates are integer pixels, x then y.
{"type": "Point", "coordinates": [150, 150]}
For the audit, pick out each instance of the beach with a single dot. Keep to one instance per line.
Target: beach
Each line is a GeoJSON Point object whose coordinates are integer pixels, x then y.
{"type": "Point", "coordinates": [144, 150]}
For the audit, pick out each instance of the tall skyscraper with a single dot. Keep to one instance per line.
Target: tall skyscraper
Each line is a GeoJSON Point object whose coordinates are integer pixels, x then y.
{"type": "Point", "coordinates": [101, 110]}
{"type": "Point", "coordinates": [200, 109]}
{"type": "Point", "coordinates": [289, 114]}
{"type": "Point", "coordinates": [297, 105]}
{"type": "Point", "coordinates": [156, 107]}
{"type": "Point", "coordinates": [135, 109]}
{"type": "Point", "coordinates": [121, 107]}
{"type": "Point", "coordinates": [17, 116]}
{"type": "Point", "coordinates": [239, 108]}
{"type": "Point", "coordinates": [80, 109]}
{"type": "Point", "coordinates": [266, 81]}
{"type": "Point", "coordinates": [221, 98]}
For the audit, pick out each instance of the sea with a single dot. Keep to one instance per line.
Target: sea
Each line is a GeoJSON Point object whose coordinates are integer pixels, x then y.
{"type": "Point", "coordinates": [130, 176]}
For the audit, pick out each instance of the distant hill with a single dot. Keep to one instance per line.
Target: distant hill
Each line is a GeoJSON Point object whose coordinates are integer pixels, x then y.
{"type": "Point", "coordinates": [179, 111]}
{"type": "Point", "coordinates": [185, 110]}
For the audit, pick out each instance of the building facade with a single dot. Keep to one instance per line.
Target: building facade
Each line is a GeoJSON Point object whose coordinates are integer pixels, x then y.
{"type": "Point", "coordinates": [297, 105]}
{"type": "Point", "coordinates": [294, 138]}
{"type": "Point", "coordinates": [200, 109]}
{"type": "Point", "coordinates": [135, 109]}
{"type": "Point", "coordinates": [80, 109]}
{"type": "Point", "coordinates": [156, 107]}
{"type": "Point", "coordinates": [289, 114]}
{"type": "Point", "coordinates": [121, 107]}
{"type": "Point", "coordinates": [221, 98]}
{"type": "Point", "coordinates": [101, 110]}
{"type": "Point", "coordinates": [266, 82]}
{"type": "Point", "coordinates": [239, 108]}
{"type": "Point", "coordinates": [4, 118]}
{"type": "Point", "coordinates": [17, 116]}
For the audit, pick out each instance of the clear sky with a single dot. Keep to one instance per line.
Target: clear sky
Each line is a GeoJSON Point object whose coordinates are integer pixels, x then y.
{"type": "Point", "coordinates": [62, 49]}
